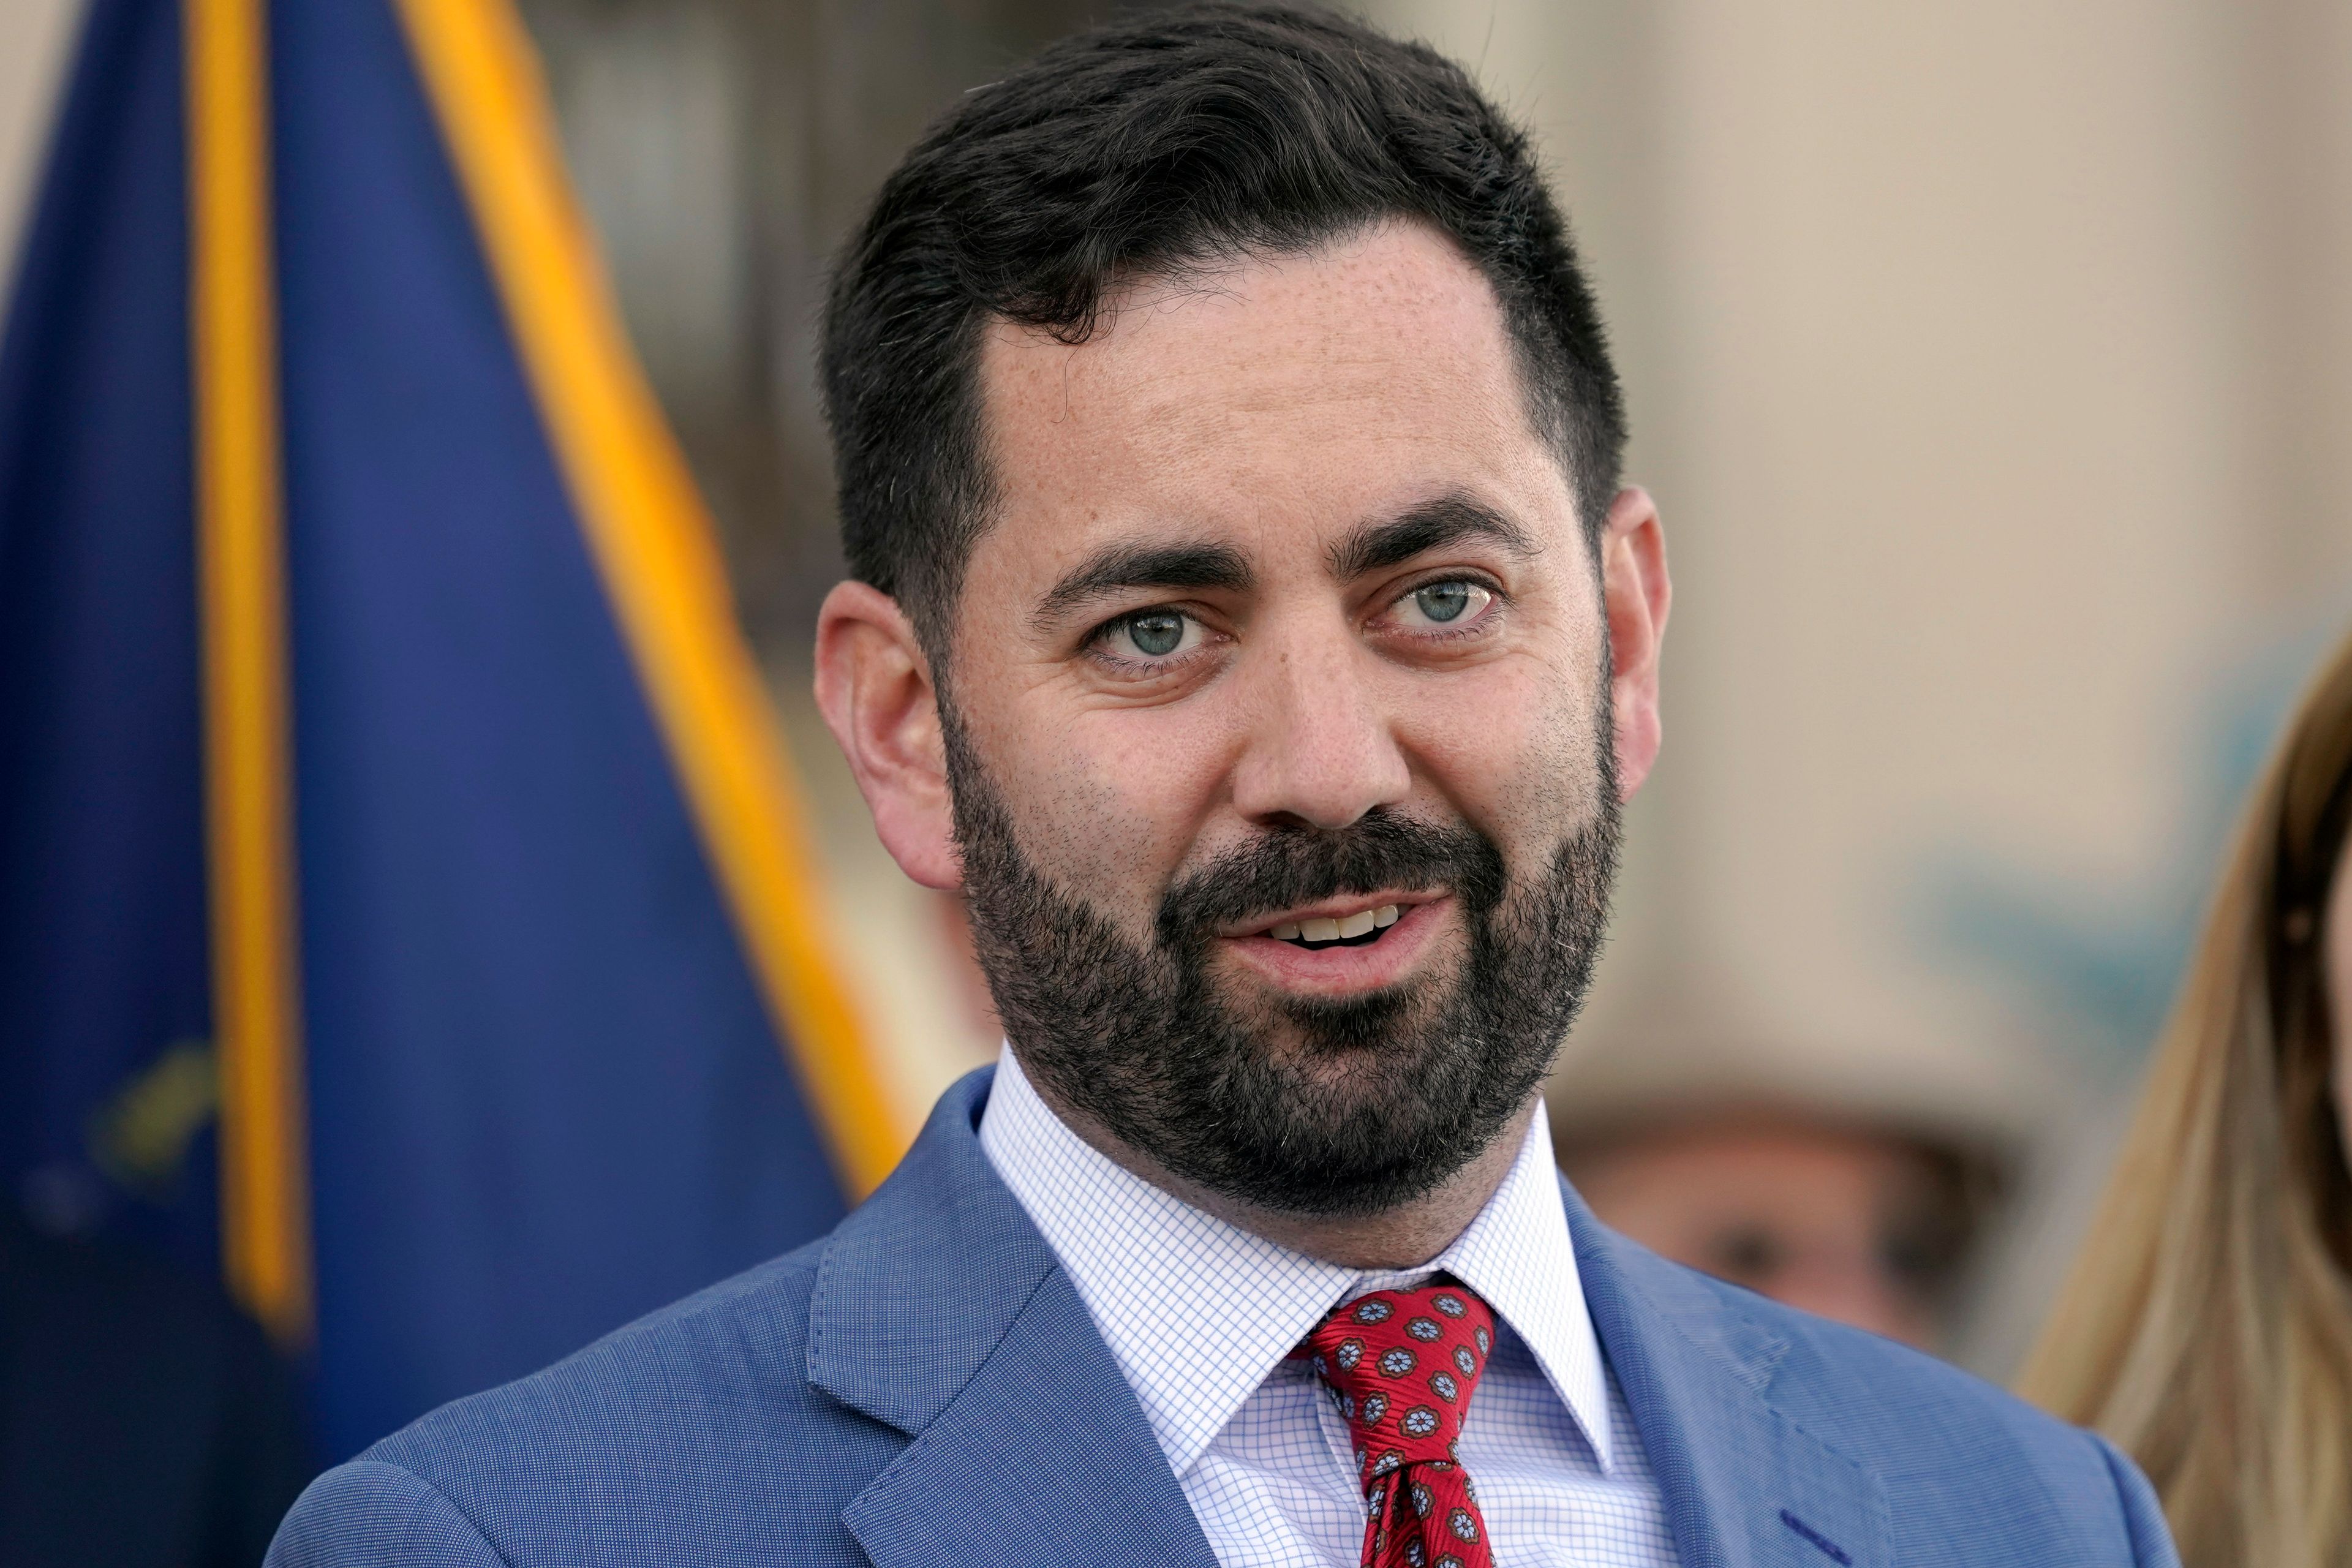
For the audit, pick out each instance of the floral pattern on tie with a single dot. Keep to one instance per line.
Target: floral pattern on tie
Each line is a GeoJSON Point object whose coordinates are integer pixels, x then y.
{"type": "Point", "coordinates": [1402, 1365]}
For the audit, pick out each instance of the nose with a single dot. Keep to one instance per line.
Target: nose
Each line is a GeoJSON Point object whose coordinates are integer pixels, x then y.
{"type": "Point", "coordinates": [1322, 748]}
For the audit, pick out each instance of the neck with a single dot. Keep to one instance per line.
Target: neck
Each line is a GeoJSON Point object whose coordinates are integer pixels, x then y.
{"type": "Point", "coordinates": [1405, 1237]}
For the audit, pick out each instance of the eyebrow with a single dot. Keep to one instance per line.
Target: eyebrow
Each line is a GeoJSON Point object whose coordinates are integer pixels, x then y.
{"type": "Point", "coordinates": [1448, 519]}
{"type": "Point", "coordinates": [1119, 568]}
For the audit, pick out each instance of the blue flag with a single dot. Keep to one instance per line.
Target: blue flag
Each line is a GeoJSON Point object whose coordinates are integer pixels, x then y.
{"type": "Point", "coordinates": [403, 906]}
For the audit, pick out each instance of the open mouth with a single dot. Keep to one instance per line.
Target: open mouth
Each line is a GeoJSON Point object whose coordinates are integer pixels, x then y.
{"type": "Point", "coordinates": [1360, 927]}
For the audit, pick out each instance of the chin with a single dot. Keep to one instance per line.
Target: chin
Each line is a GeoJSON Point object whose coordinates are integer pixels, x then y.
{"type": "Point", "coordinates": [1342, 1057]}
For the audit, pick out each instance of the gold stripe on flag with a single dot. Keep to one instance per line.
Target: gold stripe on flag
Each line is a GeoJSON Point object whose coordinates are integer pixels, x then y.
{"type": "Point", "coordinates": [654, 550]}
{"type": "Point", "coordinates": [241, 587]}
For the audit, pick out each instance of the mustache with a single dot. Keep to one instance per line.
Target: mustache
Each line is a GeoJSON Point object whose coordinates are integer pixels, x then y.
{"type": "Point", "coordinates": [1286, 867]}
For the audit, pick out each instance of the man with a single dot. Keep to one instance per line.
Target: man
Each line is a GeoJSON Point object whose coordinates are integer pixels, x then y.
{"type": "Point", "coordinates": [1248, 619]}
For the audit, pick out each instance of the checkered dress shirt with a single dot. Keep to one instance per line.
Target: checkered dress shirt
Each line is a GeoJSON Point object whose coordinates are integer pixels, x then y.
{"type": "Point", "coordinates": [1261, 1456]}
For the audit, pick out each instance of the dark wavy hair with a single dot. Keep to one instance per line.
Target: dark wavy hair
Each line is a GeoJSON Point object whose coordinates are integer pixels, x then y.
{"type": "Point", "coordinates": [1167, 146]}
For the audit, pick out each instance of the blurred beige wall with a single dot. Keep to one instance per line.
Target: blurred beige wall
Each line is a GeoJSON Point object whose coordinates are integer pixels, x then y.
{"type": "Point", "coordinates": [34, 35]}
{"type": "Point", "coordinates": [1988, 363]}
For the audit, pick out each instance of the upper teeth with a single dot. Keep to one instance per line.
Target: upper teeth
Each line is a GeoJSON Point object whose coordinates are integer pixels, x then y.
{"type": "Point", "coordinates": [1332, 930]}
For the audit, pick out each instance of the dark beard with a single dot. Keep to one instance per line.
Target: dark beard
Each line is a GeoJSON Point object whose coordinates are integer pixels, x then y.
{"type": "Point", "coordinates": [1384, 1096]}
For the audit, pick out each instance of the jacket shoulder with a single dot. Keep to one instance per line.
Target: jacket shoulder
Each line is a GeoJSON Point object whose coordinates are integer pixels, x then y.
{"type": "Point", "coordinates": [690, 1435]}
{"type": "Point", "coordinates": [1961, 1461]}
{"type": "Point", "coordinates": [1911, 1410]}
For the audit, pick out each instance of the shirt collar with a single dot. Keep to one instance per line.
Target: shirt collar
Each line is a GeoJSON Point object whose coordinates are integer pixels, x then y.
{"type": "Point", "coordinates": [1147, 1265]}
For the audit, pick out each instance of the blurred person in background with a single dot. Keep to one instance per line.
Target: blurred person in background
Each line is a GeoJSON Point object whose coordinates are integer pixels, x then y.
{"type": "Point", "coordinates": [1852, 1218]}
{"type": "Point", "coordinates": [2208, 1325]}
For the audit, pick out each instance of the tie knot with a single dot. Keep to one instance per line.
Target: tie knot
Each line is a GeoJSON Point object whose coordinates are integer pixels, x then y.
{"type": "Point", "coordinates": [1402, 1365]}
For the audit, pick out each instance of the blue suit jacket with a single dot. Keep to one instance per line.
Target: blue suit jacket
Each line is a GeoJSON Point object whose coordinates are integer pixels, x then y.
{"type": "Point", "coordinates": [924, 1386]}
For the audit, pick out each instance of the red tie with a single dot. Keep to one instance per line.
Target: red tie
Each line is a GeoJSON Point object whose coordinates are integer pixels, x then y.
{"type": "Point", "coordinates": [1402, 1364]}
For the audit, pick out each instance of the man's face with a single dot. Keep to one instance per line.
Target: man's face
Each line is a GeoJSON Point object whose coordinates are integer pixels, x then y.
{"type": "Point", "coordinates": [1285, 627]}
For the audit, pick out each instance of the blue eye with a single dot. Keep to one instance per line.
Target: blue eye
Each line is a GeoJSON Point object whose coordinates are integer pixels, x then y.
{"type": "Point", "coordinates": [1152, 634]}
{"type": "Point", "coordinates": [1437, 604]}
{"type": "Point", "coordinates": [1156, 632]}
{"type": "Point", "coordinates": [1444, 600]}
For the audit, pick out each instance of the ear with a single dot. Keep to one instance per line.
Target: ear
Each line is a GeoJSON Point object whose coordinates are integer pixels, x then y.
{"type": "Point", "coordinates": [1637, 594]}
{"type": "Point", "coordinates": [874, 687]}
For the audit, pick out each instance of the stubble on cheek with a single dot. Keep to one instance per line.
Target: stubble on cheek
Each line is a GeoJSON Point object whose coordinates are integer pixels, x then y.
{"type": "Point", "coordinates": [1092, 828]}
{"type": "Point", "coordinates": [1549, 787]}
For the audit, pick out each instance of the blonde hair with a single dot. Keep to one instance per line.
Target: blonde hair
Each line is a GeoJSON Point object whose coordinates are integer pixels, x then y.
{"type": "Point", "coordinates": [2206, 1327]}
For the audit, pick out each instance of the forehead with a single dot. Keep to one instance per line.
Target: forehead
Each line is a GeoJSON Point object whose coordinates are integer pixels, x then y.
{"type": "Point", "coordinates": [1295, 394]}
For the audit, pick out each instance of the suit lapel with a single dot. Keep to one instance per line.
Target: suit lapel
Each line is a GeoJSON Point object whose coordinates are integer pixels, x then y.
{"type": "Point", "coordinates": [940, 1311]}
{"type": "Point", "coordinates": [1744, 1487]}
{"type": "Point", "coordinates": [1043, 1457]}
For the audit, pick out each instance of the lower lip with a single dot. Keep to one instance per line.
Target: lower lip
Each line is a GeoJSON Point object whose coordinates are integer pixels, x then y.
{"type": "Point", "coordinates": [1342, 970]}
